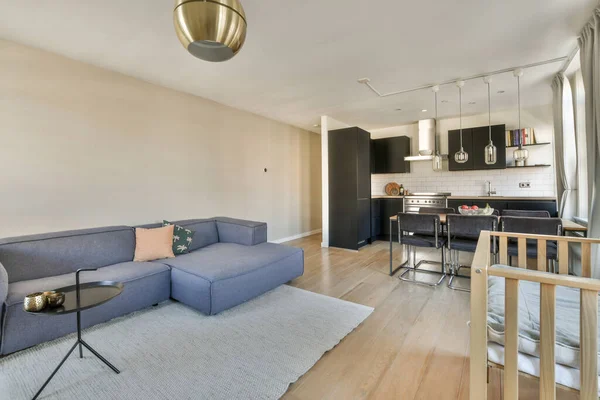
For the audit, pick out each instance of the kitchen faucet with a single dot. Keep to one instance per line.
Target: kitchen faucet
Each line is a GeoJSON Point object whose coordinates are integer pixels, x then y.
{"type": "Point", "coordinates": [490, 192]}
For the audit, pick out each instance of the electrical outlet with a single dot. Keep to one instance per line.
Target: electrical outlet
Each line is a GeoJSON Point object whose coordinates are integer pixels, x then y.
{"type": "Point", "coordinates": [525, 185]}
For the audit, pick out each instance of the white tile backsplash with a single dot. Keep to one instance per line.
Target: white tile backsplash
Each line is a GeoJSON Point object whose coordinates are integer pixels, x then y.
{"type": "Point", "coordinates": [422, 178]}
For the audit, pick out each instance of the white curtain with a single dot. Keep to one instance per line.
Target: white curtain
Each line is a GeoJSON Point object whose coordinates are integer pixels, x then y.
{"type": "Point", "coordinates": [589, 43]}
{"type": "Point", "coordinates": [565, 147]}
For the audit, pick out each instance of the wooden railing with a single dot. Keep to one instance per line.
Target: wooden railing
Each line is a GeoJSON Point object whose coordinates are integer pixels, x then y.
{"type": "Point", "coordinates": [589, 289]}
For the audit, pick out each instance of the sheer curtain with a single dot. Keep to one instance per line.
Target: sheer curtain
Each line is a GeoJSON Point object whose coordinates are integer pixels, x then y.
{"type": "Point", "coordinates": [565, 147]}
{"type": "Point", "coordinates": [589, 44]}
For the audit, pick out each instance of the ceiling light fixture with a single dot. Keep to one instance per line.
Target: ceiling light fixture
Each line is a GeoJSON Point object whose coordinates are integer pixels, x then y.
{"type": "Point", "coordinates": [520, 155]}
{"type": "Point", "coordinates": [460, 156]}
{"type": "Point", "coordinates": [212, 30]}
{"type": "Point", "coordinates": [491, 153]}
{"type": "Point", "coordinates": [437, 158]}
{"type": "Point", "coordinates": [423, 110]}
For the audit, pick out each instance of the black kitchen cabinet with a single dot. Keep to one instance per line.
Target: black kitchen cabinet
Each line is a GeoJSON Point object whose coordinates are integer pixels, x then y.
{"type": "Point", "coordinates": [457, 203]}
{"type": "Point", "coordinates": [388, 155]}
{"type": "Point", "coordinates": [378, 156]}
{"type": "Point", "coordinates": [495, 204]}
{"type": "Point", "coordinates": [390, 207]}
{"type": "Point", "coordinates": [349, 188]}
{"type": "Point", "coordinates": [375, 219]}
{"type": "Point", "coordinates": [454, 146]}
{"type": "Point", "coordinates": [474, 142]}
{"type": "Point", "coordinates": [481, 139]}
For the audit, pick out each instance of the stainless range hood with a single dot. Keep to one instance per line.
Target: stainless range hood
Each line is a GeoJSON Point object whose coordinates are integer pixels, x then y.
{"type": "Point", "coordinates": [426, 141]}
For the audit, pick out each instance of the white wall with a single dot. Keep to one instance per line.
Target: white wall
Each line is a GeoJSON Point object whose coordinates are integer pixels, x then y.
{"type": "Point", "coordinates": [84, 147]}
{"type": "Point", "coordinates": [472, 183]}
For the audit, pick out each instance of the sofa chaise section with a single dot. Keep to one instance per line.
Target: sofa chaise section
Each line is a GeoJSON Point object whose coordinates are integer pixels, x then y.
{"type": "Point", "coordinates": [42, 262]}
{"type": "Point", "coordinates": [240, 267]}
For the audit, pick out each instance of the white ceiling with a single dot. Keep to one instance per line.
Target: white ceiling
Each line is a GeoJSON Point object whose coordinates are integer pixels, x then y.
{"type": "Point", "coordinates": [302, 59]}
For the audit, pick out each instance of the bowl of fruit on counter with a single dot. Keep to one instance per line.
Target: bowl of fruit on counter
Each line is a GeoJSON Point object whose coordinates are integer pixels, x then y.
{"type": "Point", "coordinates": [475, 210]}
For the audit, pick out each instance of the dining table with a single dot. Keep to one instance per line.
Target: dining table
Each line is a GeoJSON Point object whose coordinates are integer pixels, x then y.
{"type": "Point", "coordinates": [567, 225]}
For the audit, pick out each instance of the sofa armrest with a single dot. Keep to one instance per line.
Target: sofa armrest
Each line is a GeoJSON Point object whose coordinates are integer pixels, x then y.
{"type": "Point", "coordinates": [248, 233]}
{"type": "Point", "coordinates": [3, 285]}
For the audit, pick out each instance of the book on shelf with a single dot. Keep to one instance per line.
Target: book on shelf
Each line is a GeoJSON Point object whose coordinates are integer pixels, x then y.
{"type": "Point", "coordinates": [517, 137]}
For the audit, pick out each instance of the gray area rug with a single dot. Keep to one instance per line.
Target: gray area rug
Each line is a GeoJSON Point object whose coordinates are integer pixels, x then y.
{"type": "Point", "coordinates": [254, 351]}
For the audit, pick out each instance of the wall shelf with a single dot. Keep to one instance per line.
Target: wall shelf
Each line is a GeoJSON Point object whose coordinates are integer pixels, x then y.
{"type": "Point", "coordinates": [527, 145]}
{"type": "Point", "coordinates": [529, 166]}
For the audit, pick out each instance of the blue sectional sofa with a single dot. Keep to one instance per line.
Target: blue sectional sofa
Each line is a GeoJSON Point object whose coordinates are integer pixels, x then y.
{"type": "Point", "coordinates": [230, 262]}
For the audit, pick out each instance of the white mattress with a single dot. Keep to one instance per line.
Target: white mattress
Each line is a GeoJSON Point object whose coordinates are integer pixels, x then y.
{"type": "Point", "coordinates": [567, 320]}
{"type": "Point", "coordinates": [567, 330]}
{"type": "Point", "coordinates": [565, 376]}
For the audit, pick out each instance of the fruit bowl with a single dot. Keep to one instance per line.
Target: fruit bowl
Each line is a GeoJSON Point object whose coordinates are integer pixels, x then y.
{"type": "Point", "coordinates": [480, 211]}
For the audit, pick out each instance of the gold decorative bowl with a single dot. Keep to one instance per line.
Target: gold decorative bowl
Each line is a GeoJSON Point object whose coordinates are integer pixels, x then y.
{"type": "Point", "coordinates": [54, 298]}
{"type": "Point", "coordinates": [34, 302]}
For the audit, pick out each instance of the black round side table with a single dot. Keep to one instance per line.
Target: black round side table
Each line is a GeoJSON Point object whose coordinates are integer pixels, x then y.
{"type": "Point", "coordinates": [78, 298]}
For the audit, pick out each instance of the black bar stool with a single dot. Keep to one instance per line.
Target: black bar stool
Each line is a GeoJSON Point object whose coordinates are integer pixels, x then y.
{"type": "Point", "coordinates": [463, 233]}
{"type": "Point", "coordinates": [526, 213]}
{"type": "Point", "coordinates": [421, 230]}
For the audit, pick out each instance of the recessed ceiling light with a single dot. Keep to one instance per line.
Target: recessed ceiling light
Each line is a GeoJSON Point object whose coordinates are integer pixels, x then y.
{"type": "Point", "coordinates": [500, 91]}
{"type": "Point", "coordinates": [472, 102]}
{"type": "Point", "coordinates": [317, 125]}
{"type": "Point", "coordinates": [423, 110]}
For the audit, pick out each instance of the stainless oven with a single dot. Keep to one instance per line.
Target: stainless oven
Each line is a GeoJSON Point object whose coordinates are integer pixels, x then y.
{"type": "Point", "coordinates": [415, 201]}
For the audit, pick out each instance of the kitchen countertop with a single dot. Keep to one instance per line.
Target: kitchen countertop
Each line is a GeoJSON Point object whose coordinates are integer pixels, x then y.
{"type": "Point", "coordinates": [476, 197]}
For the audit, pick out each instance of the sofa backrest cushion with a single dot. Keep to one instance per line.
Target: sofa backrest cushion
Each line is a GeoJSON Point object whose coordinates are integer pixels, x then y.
{"type": "Point", "coordinates": [50, 254]}
{"type": "Point", "coordinates": [205, 231]}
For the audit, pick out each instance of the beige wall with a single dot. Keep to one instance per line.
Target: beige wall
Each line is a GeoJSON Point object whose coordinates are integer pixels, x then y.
{"type": "Point", "coordinates": [82, 147]}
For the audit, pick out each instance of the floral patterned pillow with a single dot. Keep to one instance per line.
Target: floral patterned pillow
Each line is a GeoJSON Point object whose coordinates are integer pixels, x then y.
{"type": "Point", "coordinates": [182, 238]}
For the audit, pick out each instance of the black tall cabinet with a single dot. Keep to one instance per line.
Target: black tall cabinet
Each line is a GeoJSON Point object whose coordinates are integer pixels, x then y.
{"type": "Point", "coordinates": [349, 188]}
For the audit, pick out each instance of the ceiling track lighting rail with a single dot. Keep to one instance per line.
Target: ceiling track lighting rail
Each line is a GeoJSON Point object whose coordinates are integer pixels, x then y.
{"type": "Point", "coordinates": [367, 81]}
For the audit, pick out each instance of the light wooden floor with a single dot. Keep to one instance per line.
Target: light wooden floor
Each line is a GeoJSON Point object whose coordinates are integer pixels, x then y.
{"type": "Point", "coordinates": [415, 345]}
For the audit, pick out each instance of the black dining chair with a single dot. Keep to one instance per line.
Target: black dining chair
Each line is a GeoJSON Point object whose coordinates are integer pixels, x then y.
{"type": "Point", "coordinates": [463, 234]}
{"type": "Point", "coordinates": [437, 210]}
{"type": "Point", "coordinates": [536, 226]}
{"type": "Point", "coordinates": [526, 213]}
{"type": "Point", "coordinates": [421, 230]}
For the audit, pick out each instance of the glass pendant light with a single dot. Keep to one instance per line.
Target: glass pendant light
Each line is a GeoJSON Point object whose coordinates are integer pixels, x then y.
{"type": "Point", "coordinates": [520, 155]}
{"type": "Point", "coordinates": [491, 155]}
{"type": "Point", "coordinates": [437, 158]}
{"type": "Point", "coordinates": [461, 156]}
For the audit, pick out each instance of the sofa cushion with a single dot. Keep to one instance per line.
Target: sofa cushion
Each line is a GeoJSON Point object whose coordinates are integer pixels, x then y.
{"type": "Point", "coordinates": [123, 272]}
{"type": "Point", "coordinates": [241, 231]}
{"type": "Point", "coordinates": [225, 260]}
{"type": "Point", "coordinates": [224, 275]}
{"type": "Point", "coordinates": [182, 238]}
{"type": "Point", "coordinates": [49, 254]}
{"type": "Point", "coordinates": [153, 244]}
{"type": "Point", "coordinates": [3, 286]}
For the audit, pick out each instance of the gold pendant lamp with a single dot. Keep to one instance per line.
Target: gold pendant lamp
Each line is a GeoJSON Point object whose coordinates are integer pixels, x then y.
{"type": "Point", "coordinates": [212, 30]}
